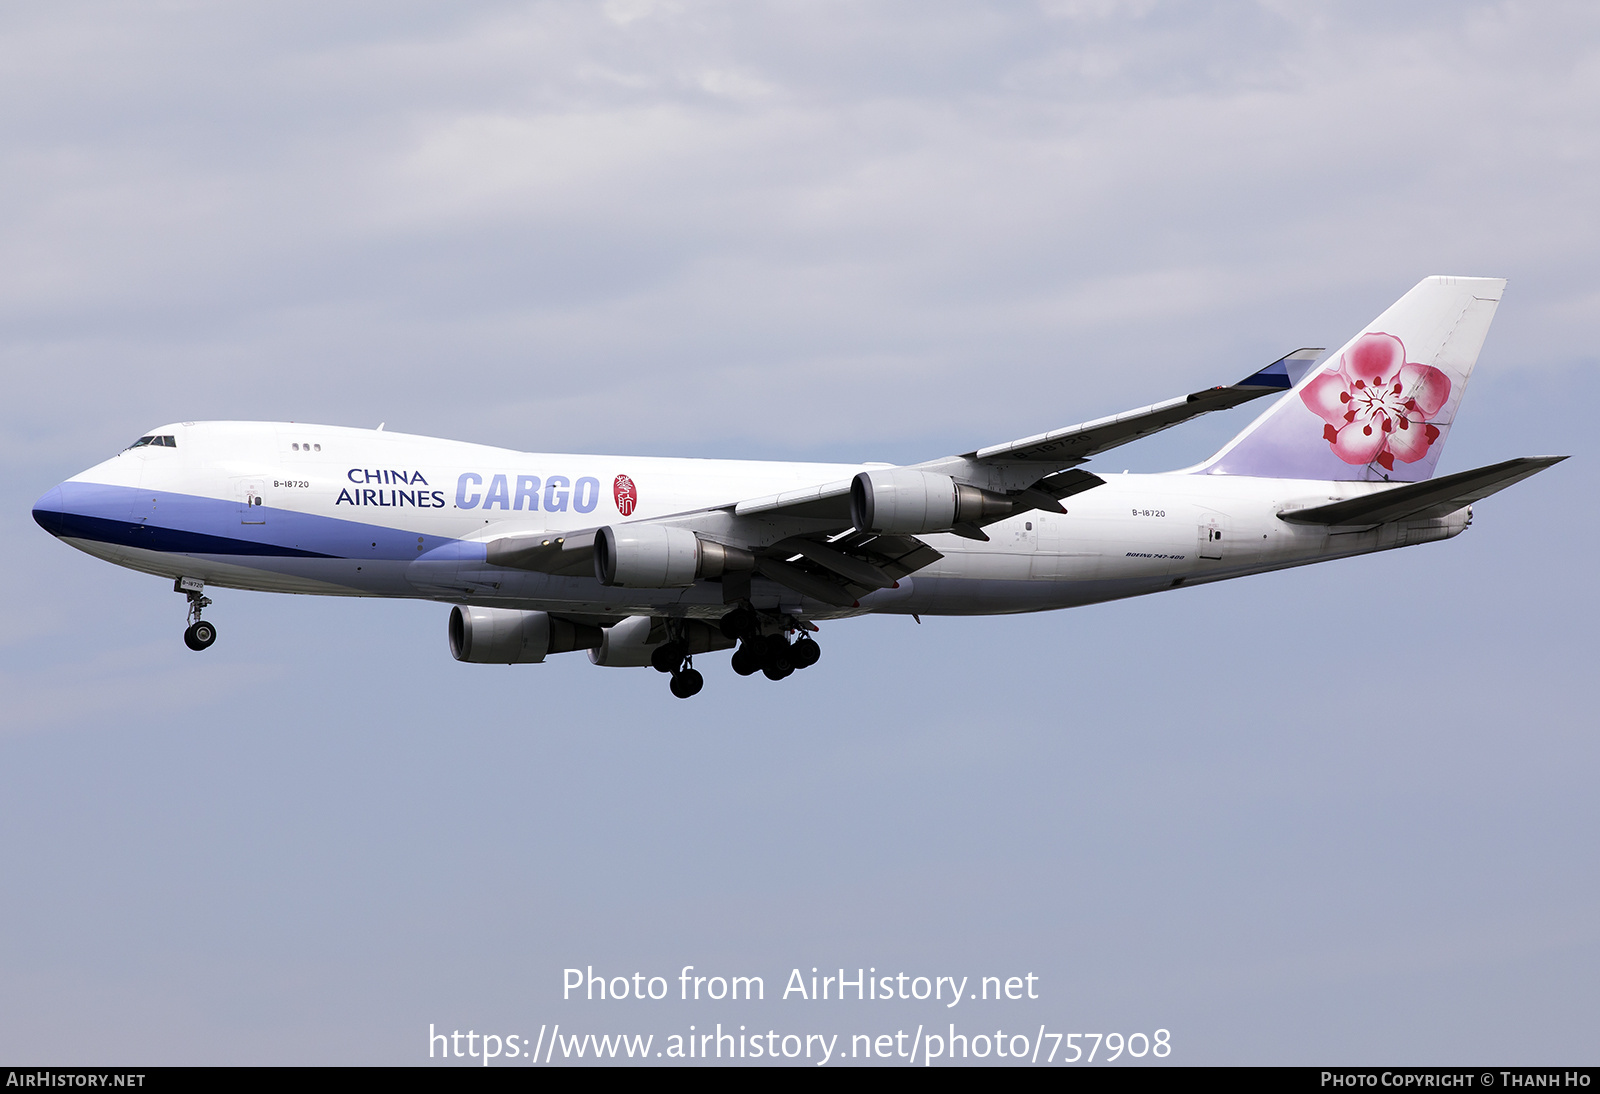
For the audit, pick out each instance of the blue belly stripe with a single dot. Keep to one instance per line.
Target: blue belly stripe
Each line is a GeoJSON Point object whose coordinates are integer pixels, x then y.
{"type": "Point", "coordinates": [196, 525]}
{"type": "Point", "coordinates": [150, 538]}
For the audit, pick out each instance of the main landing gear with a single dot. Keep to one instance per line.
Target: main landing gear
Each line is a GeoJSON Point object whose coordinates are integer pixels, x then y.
{"type": "Point", "coordinates": [770, 653]}
{"type": "Point", "coordinates": [773, 655]}
{"type": "Point", "coordinates": [199, 634]}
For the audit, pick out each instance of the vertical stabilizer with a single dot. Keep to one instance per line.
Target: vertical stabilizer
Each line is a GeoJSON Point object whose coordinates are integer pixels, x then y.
{"type": "Point", "coordinates": [1381, 407]}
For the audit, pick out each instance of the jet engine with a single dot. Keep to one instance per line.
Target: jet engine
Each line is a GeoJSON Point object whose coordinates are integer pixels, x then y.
{"type": "Point", "coordinates": [505, 636]}
{"type": "Point", "coordinates": [654, 556]}
{"type": "Point", "coordinates": [900, 501]}
{"type": "Point", "coordinates": [628, 644]}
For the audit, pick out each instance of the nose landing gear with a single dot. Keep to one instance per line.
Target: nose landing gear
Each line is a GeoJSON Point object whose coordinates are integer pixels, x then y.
{"type": "Point", "coordinates": [199, 634]}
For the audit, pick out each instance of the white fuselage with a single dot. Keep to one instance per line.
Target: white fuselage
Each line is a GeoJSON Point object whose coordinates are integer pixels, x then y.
{"type": "Point", "coordinates": [330, 510]}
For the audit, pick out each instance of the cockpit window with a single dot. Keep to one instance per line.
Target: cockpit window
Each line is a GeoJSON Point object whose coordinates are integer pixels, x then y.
{"type": "Point", "coordinates": [141, 442]}
{"type": "Point", "coordinates": [163, 441]}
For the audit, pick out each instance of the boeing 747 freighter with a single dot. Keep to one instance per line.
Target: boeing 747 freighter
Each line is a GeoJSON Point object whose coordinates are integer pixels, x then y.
{"type": "Point", "coordinates": [651, 562]}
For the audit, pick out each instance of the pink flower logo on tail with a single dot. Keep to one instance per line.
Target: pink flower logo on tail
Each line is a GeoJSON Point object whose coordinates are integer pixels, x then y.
{"type": "Point", "coordinates": [1377, 405]}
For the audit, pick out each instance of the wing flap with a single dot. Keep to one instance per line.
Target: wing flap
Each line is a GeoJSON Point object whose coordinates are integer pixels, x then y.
{"type": "Point", "coordinates": [1064, 484]}
{"type": "Point", "coordinates": [1423, 500]}
{"type": "Point", "coordinates": [896, 556]}
{"type": "Point", "coordinates": [855, 570]}
{"type": "Point", "coordinates": [801, 581]}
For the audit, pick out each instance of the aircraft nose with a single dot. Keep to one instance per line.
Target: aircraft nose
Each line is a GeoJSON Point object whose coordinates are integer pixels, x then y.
{"type": "Point", "coordinates": [50, 511]}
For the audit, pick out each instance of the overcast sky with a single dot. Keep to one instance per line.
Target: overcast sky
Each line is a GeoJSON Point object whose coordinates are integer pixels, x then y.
{"type": "Point", "coordinates": [1340, 814]}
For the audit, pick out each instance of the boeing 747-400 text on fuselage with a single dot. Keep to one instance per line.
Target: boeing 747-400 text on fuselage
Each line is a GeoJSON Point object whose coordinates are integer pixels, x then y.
{"type": "Point", "coordinates": [650, 561]}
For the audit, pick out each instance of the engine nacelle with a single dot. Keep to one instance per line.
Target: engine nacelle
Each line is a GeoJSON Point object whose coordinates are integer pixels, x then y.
{"type": "Point", "coordinates": [505, 636]}
{"type": "Point", "coordinates": [654, 556]}
{"type": "Point", "coordinates": [627, 645]}
{"type": "Point", "coordinates": [900, 501]}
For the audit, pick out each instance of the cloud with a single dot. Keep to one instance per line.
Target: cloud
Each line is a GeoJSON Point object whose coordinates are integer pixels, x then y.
{"type": "Point", "coordinates": [791, 228]}
{"type": "Point", "coordinates": [1098, 204]}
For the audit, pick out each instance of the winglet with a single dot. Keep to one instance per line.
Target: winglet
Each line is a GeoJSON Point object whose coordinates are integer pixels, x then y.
{"type": "Point", "coordinates": [1285, 372]}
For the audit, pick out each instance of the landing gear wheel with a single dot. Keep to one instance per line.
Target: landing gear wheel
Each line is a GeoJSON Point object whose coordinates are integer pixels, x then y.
{"type": "Point", "coordinates": [779, 659]}
{"type": "Point", "coordinates": [740, 623]}
{"type": "Point", "coordinates": [805, 652]}
{"type": "Point", "coordinates": [687, 683]}
{"type": "Point", "coordinates": [199, 635]}
{"type": "Point", "coordinates": [747, 659]}
{"type": "Point", "coordinates": [667, 657]}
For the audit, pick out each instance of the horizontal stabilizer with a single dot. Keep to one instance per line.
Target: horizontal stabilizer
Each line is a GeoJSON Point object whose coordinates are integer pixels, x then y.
{"type": "Point", "coordinates": [1423, 500]}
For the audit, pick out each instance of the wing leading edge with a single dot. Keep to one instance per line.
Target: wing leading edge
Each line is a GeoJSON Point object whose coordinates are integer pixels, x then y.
{"type": "Point", "coordinates": [1042, 457]}
{"type": "Point", "coordinates": [1079, 442]}
{"type": "Point", "coordinates": [805, 539]}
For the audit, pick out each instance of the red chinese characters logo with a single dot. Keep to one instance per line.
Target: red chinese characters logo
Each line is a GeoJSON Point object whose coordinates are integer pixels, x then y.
{"type": "Point", "coordinates": [1376, 406]}
{"type": "Point", "coordinates": [626, 493]}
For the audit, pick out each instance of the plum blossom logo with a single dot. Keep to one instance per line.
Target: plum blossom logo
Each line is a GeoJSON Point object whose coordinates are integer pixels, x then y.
{"type": "Point", "coordinates": [1376, 405]}
{"type": "Point", "coordinates": [626, 495]}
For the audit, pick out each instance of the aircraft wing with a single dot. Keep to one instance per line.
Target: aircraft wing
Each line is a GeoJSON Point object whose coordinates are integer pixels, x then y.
{"type": "Point", "coordinates": [1422, 500]}
{"type": "Point", "coordinates": [1042, 458]}
{"type": "Point", "coordinates": [805, 539]}
{"type": "Point", "coordinates": [1079, 442]}
{"type": "Point", "coordinates": [842, 569]}
{"type": "Point", "coordinates": [834, 569]}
